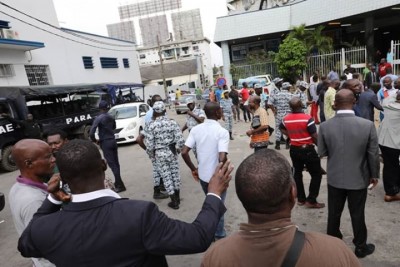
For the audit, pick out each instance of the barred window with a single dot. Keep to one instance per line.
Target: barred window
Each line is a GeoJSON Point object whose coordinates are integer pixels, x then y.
{"type": "Point", "coordinates": [126, 62]}
{"type": "Point", "coordinates": [88, 62]}
{"type": "Point", "coordinates": [109, 62]}
{"type": "Point", "coordinates": [6, 70]}
{"type": "Point", "coordinates": [38, 74]}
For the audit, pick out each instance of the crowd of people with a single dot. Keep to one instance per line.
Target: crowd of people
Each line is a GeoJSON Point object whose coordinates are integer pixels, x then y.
{"type": "Point", "coordinates": [66, 213]}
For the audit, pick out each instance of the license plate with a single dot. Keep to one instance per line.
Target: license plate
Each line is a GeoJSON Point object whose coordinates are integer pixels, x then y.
{"type": "Point", "coordinates": [116, 136]}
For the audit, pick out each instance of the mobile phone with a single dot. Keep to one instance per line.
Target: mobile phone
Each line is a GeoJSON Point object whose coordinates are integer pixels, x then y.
{"type": "Point", "coordinates": [370, 186]}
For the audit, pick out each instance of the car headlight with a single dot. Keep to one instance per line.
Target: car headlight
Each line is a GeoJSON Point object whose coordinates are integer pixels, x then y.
{"type": "Point", "coordinates": [131, 126]}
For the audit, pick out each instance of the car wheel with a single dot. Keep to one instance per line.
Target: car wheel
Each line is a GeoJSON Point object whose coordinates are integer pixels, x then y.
{"type": "Point", "coordinates": [7, 163]}
{"type": "Point", "coordinates": [178, 112]}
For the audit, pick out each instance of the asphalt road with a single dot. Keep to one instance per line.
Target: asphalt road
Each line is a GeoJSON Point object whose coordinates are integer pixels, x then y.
{"type": "Point", "coordinates": [382, 218]}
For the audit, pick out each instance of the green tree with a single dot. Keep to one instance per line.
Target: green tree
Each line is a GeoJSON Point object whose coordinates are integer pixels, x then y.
{"type": "Point", "coordinates": [314, 40]}
{"type": "Point", "coordinates": [291, 58]}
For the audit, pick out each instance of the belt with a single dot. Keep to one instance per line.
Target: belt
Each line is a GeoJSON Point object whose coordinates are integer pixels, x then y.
{"type": "Point", "coordinates": [302, 146]}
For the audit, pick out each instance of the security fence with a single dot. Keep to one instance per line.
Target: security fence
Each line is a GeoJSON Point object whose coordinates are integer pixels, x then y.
{"type": "Point", "coordinates": [395, 49]}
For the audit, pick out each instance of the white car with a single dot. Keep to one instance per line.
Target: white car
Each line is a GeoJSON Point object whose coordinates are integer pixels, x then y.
{"type": "Point", "coordinates": [130, 121]}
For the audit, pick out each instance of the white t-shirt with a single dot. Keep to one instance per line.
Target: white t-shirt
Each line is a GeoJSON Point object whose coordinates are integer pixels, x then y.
{"type": "Point", "coordinates": [209, 138]}
{"type": "Point", "coordinates": [172, 96]}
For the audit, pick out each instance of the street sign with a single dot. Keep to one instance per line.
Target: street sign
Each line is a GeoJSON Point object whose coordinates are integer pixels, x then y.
{"type": "Point", "coordinates": [221, 81]}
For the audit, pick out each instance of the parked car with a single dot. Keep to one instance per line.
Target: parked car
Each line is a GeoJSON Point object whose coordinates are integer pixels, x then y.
{"type": "Point", "coordinates": [130, 121]}
{"type": "Point", "coordinates": [181, 104]}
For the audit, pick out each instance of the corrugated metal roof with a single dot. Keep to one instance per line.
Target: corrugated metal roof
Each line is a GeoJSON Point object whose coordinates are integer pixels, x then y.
{"type": "Point", "coordinates": [173, 69]}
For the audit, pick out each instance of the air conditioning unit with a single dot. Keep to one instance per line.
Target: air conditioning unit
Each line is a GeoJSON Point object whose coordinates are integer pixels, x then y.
{"type": "Point", "coordinates": [9, 34]}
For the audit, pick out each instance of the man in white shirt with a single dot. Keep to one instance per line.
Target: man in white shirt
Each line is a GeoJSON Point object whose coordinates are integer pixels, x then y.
{"type": "Point", "coordinates": [211, 141]}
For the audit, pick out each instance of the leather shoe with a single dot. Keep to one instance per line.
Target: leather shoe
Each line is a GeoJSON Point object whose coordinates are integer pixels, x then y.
{"type": "Point", "coordinates": [366, 250]}
{"type": "Point", "coordinates": [392, 198]}
{"type": "Point", "coordinates": [120, 188]}
{"type": "Point", "coordinates": [315, 205]}
{"type": "Point", "coordinates": [301, 203]}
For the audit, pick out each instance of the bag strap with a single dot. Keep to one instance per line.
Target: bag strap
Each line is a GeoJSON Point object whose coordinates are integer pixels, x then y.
{"type": "Point", "coordinates": [295, 249]}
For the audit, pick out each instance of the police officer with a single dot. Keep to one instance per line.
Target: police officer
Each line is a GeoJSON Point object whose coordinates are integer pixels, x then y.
{"type": "Point", "coordinates": [108, 145]}
{"type": "Point", "coordinates": [301, 94]}
{"type": "Point", "coordinates": [164, 140]}
{"type": "Point", "coordinates": [280, 107]}
{"type": "Point", "coordinates": [227, 105]}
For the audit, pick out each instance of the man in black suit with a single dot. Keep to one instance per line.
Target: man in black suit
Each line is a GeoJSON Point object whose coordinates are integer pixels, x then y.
{"type": "Point", "coordinates": [367, 102]}
{"type": "Point", "coordinates": [98, 228]}
{"type": "Point", "coordinates": [351, 144]}
{"type": "Point", "coordinates": [371, 77]}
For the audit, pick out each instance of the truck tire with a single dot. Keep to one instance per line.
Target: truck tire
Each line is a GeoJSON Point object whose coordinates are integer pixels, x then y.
{"type": "Point", "coordinates": [7, 163]}
{"type": "Point", "coordinates": [86, 131]}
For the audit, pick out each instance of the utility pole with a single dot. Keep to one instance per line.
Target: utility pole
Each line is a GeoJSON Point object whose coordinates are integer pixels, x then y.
{"type": "Point", "coordinates": [162, 67]}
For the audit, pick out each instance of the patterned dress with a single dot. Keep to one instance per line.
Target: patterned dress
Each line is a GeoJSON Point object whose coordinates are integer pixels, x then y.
{"type": "Point", "coordinates": [164, 140]}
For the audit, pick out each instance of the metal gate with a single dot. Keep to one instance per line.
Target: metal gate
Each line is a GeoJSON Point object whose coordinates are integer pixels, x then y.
{"type": "Point", "coordinates": [337, 60]}
{"type": "Point", "coordinates": [395, 46]}
{"type": "Point", "coordinates": [244, 71]}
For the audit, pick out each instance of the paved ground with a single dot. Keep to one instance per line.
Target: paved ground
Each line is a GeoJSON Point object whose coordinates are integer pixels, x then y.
{"type": "Point", "coordinates": [382, 218]}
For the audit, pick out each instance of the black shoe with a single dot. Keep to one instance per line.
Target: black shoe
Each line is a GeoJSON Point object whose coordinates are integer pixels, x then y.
{"type": "Point", "coordinates": [270, 143]}
{"type": "Point", "coordinates": [120, 188]}
{"type": "Point", "coordinates": [366, 250]}
{"type": "Point", "coordinates": [277, 145]}
{"type": "Point", "coordinates": [158, 194]}
{"type": "Point", "coordinates": [178, 196]}
{"type": "Point", "coordinates": [174, 204]}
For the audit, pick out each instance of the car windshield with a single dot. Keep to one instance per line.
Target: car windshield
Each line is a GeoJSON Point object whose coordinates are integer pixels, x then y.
{"type": "Point", "coordinates": [92, 100]}
{"type": "Point", "coordinates": [120, 113]}
{"type": "Point", "coordinates": [185, 98]}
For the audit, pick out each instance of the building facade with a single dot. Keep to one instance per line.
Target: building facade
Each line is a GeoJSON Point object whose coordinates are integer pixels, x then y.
{"type": "Point", "coordinates": [262, 25]}
{"type": "Point", "coordinates": [34, 50]}
{"type": "Point", "coordinates": [166, 27]}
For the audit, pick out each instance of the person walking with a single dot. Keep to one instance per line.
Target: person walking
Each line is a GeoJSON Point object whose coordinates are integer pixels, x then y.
{"type": "Point", "coordinates": [351, 144]}
{"type": "Point", "coordinates": [245, 94]}
{"type": "Point", "coordinates": [389, 143]}
{"type": "Point", "coordinates": [259, 126]}
{"type": "Point", "coordinates": [164, 140]}
{"type": "Point", "coordinates": [212, 142]}
{"type": "Point", "coordinates": [301, 130]}
{"type": "Point", "coordinates": [329, 99]}
{"type": "Point", "coordinates": [227, 106]}
{"type": "Point", "coordinates": [106, 125]}
{"type": "Point", "coordinates": [234, 95]}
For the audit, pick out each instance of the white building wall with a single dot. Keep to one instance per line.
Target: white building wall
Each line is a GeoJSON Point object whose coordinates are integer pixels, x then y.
{"type": "Point", "coordinates": [63, 55]}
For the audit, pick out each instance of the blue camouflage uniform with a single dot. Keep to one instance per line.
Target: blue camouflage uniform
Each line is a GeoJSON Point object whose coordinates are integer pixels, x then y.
{"type": "Point", "coordinates": [281, 102]}
{"type": "Point", "coordinates": [226, 105]}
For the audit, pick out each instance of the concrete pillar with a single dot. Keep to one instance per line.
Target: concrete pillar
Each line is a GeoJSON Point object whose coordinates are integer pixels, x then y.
{"type": "Point", "coordinates": [369, 38]}
{"type": "Point", "coordinates": [227, 63]}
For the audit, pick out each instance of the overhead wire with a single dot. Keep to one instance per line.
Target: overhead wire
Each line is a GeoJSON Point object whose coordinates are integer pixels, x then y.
{"type": "Point", "coordinates": [62, 30]}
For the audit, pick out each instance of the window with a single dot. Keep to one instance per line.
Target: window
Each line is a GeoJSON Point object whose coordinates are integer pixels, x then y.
{"type": "Point", "coordinates": [239, 52]}
{"type": "Point", "coordinates": [196, 48]}
{"type": "Point", "coordinates": [6, 70]}
{"type": "Point", "coordinates": [38, 74]}
{"type": "Point", "coordinates": [142, 56]}
{"type": "Point", "coordinates": [88, 62]}
{"type": "Point", "coordinates": [109, 62]}
{"type": "Point", "coordinates": [126, 62]}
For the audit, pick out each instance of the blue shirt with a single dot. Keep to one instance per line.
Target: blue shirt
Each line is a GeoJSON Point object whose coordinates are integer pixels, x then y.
{"type": "Point", "coordinates": [149, 116]}
{"type": "Point", "coordinates": [106, 125]}
{"type": "Point", "coordinates": [218, 94]}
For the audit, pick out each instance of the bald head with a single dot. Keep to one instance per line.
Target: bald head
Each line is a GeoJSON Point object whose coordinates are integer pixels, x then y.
{"type": "Point", "coordinates": [353, 85]}
{"type": "Point", "coordinates": [295, 104]}
{"type": "Point", "coordinates": [34, 159]}
{"type": "Point", "coordinates": [344, 100]}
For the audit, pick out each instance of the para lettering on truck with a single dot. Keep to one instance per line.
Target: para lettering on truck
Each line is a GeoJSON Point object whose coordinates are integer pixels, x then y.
{"type": "Point", "coordinates": [6, 128]}
{"type": "Point", "coordinates": [78, 119]}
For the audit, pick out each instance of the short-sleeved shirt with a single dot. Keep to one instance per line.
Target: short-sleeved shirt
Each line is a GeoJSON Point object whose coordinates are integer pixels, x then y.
{"type": "Point", "coordinates": [209, 138]}
{"type": "Point", "coordinates": [329, 100]}
{"type": "Point", "coordinates": [226, 105]}
{"type": "Point", "coordinates": [191, 122]}
{"type": "Point", "coordinates": [245, 94]}
{"type": "Point", "coordinates": [262, 113]}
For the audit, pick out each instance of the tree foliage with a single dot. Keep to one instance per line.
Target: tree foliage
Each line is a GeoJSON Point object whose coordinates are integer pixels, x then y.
{"type": "Point", "coordinates": [314, 40]}
{"type": "Point", "coordinates": [291, 58]}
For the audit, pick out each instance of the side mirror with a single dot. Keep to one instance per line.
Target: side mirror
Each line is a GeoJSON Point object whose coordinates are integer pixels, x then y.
{"type": "Point", "coordinates": [142, 114]}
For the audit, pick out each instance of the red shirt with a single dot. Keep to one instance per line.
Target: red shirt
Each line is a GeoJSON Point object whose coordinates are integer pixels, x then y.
{"type": "Point", "coordinates": [383, 67]}
{"type": "Point", "coordinates": [245, 94]}
{"type": "Point", "coordinates": [300, 127]}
